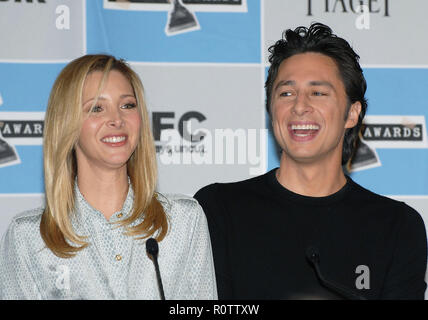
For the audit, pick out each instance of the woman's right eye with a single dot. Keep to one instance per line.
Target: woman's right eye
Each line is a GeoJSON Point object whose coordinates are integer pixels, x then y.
{"type": "Point", "coordinates": [96, 109]}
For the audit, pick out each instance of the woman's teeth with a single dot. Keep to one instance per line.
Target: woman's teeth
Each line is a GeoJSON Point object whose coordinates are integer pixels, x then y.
{"type": "Point", "coordinates": [114, 139]}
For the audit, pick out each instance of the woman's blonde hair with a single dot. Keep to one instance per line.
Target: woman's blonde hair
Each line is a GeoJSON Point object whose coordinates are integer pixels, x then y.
{"type": "Point", "coordinates": [63, 122]}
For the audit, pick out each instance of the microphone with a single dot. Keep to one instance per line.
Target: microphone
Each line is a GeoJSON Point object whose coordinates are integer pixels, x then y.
{"type": "Point", "coordinates": [152, 249]}
{"type": "Point", "coordinates": [313, 256]}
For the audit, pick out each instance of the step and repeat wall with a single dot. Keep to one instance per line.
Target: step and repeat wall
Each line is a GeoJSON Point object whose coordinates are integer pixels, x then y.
{"type": "Point", "coordinates": [203, 64]}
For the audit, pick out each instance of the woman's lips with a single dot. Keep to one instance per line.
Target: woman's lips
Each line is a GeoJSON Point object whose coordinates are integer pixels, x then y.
{"type": "Point", "coordinates": [115, 140]}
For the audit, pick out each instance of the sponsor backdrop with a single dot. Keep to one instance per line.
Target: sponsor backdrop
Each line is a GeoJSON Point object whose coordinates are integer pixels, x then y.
{"type": "Point", "coordinates": [203, 64]}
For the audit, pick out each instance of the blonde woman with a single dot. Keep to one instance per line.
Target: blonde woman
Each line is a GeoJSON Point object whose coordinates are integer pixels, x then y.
{"type": "Point", "coordinates": [88, 242]}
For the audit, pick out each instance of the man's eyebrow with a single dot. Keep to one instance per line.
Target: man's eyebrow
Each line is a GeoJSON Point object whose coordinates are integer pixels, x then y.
{"type": "Point", "coordinates": [321, 83]}
{"type": "Point", "coordinates": [285, 83]}
{"type": "Point", "coordinates": [311, 83]}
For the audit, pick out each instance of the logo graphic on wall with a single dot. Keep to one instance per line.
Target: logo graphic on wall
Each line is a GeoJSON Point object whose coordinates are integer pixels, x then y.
{"type": "Point", "coordinates": [334, 6]}
{"type": "Point", "coordinates": [365, 157]}
{"type": "Point", "coordinates": [180, 19]}
{"type": "Point", "coordinates": [181, 138]}
{"type": "Point", "coordinates": [18, 128]}
{"type": "Point", "coordinates": [8, 154]}
{"type": "Point", "coordinates": [181, 16]}
{"type": "Point", "coordinates": [388, 132]}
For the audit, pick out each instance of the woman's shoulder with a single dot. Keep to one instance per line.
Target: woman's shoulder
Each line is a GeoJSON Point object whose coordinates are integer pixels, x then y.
{"type": "Point", "coordinates": [177, 201]}
{"type": "Point", "coordinates": [28, 216]}
{"type": "Point", "coordinates": [26, 222]}
{"type": "Point", "coordinates": [23, 232]}
{"type": "Point", "coordinates": [186, 219]}
{"type": "Point", "coordinates": [180, 205]}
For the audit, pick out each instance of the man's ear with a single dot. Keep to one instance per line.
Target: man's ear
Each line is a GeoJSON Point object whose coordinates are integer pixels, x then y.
{"type": "Point", "coordinates": [353, 115]}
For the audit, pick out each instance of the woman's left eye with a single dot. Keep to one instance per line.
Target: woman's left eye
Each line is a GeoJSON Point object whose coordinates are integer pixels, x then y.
{"type": "Point", "coordinates": [129, 106]}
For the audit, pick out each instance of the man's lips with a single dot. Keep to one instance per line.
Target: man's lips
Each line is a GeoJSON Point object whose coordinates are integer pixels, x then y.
{"type": "Point", "coordinates": [303, 131]}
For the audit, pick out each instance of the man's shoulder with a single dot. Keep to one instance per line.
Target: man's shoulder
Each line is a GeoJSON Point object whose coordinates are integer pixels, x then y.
{"type": "Point", "coordinates": [385, 204]}
{"type": "Point", "coordinates": [367, 196]}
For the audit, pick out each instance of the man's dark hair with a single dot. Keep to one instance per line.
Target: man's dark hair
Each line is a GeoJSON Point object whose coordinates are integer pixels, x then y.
{"type": "Point", "coordinates": [320, 39]}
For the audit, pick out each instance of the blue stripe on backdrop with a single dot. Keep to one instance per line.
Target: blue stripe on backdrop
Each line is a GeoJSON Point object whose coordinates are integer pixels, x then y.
{"type": "Point", "coordinates": [26, 86]}
{"type": "Point", "coordinates": [403, 172]}
{"type": "Point", "coordinates": [26, 177]}
{"type": "Point", "coordinates": [397, 91]}
{"type": "Point", "coordinates": [224, 36]}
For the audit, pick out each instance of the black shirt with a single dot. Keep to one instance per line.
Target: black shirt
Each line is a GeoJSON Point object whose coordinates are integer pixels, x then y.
{"type": "Point", "coordinates": [260, 231]}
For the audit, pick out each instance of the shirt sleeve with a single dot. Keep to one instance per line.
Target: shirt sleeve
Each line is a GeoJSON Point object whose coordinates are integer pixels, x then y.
{"type": "Point", "coordinates": [198, 279]}
{"type": "Point", "coordinates": [406, 275]}
{"type": "Point", "coordinates": [213, 206]}
{"type": "Point", "coordinates": [16, 280]}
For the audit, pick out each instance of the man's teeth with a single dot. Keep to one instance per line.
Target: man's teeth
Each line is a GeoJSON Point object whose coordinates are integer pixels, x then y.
{"type": "Point", "coordinates": [303, 130]}
{"type": "Point", "coordinates": [114, 139]}
{"type": "Point", "coordinates": [304, 127]}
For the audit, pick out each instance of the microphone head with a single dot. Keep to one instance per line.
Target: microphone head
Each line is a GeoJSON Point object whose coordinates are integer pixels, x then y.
{"type": "Point", "coordinates": [152, 247]}
{"type": "Point", "coordinates": [312, 254]}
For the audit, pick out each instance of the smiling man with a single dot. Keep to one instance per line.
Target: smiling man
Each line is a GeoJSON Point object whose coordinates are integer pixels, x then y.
{"type": "Point", "coordinates": [262, 228]}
